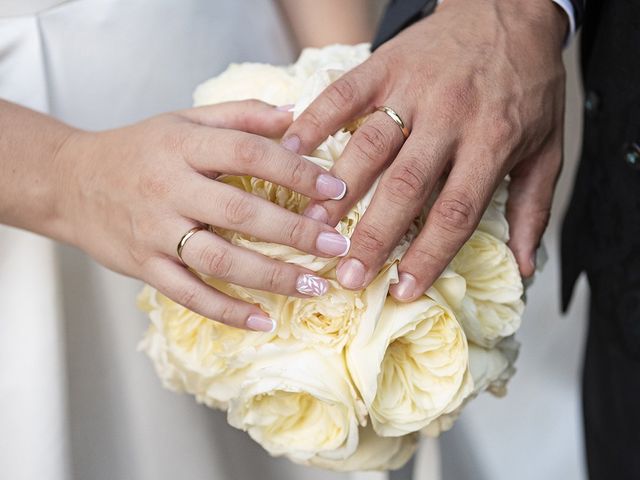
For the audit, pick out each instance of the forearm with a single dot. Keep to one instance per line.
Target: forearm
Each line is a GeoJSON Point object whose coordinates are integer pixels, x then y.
{"type": "Point", "coordinates": [319, 23]}
{"type": "Point", "coordinates": [31, 180]}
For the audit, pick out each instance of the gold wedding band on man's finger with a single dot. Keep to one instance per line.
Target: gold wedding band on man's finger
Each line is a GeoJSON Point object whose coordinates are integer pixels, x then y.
{"type": "Point", "coordinates": [396, 118]}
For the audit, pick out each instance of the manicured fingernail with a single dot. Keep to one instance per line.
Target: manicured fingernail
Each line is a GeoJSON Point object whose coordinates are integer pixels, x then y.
{"type": "Point", "coordinates": [405, 288]}
{"type": "Point", "coordinates": [532, 260]}
{"type": "Point", "coordinates": [317, 212]}
{"type": "Point", "coordinates": [333, 244]}
{"type": "Point", "coordinates": [261, 323]}
{"type": "Point", "coordinates": [292, 143]}
{"type": "Point", "coordinates": [308, 284]}
{"type": "Point", "coordinates": [285, 108]}
{"type": "Point", "coordinates": [330, 186]}
{"type": "Point", "coordinates": [351, 274]}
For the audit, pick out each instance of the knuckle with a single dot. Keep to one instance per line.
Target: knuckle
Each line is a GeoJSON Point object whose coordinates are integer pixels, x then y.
{"type": "Point", "coordinates": [217, 261]}
{"type": "Point", "coordinates": [154, 184]}
{"type": "Point", "coordinates": [249, 151]}
{"type": "Point", "coordinates": [238, 210]}
{"type": "Point", "coordinates": [424, 255]}
{"type": "Point", "coordinates": [407, 181]}
{"type": "Point", "coordinates": [228, 314]}
{"type": "Point", "coordinates": [427, 260]}
{"type": "Point", "coordinates": [187, 297]}
{"type": "Point", "coordinates": [312, 119]}
{"type": "Point", "coordinates": [342, 91]}
{"type": "Point", "coordinates": [369, 239]}
{"type": "Point", "coordinates": [273, 279]}
{"type": "Point", "coordinates": [456, 99]}
{"type": "Point", "coordinates": [183, 142]}
{"type": "Point", "coordinates": [372, 142]}
{"type": "Point", "coordinates": [297, 172]}
{"type": "Point", "coordinates": [173, 140]}
{"type": "Point", "coordinates": [504, 132]}
{"type": "Point", "coordinates": [455, 212]}
{"type": "Point", "coordinates": [296, 231]}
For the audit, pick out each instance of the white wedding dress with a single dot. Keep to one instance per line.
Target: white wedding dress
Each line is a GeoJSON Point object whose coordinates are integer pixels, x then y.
{"type": "Point", "coordinates": [76, 398]}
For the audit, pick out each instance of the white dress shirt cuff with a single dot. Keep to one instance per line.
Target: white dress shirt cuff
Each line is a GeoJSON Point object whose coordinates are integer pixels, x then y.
{"type": "Point", "coordinates": [567, 6]}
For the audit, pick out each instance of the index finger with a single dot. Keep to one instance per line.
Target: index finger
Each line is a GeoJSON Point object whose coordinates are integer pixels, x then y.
{"type": "Point", "coordinates": [346, 99]}
{"type": "Point", "coordinates": [238, 153]}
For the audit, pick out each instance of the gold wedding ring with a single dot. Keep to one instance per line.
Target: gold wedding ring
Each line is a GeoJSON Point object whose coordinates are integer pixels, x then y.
{"type": "Point", "coordinates": [396, 118]}
{"type": "Point", "coordinates": [183, 241]}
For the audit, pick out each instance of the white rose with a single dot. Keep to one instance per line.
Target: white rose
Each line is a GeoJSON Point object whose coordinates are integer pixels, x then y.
{"type": "Point", "coordinates": [318, 68]}
{"type": "Point", "coordinates": [331, 320]}
{"type": "Point", "coordinates": [299, 403]}
{"type": "Point", "coordinates": [410, 365]}
{"type": "Point", "coordinates": [322, 321]}
{"type": "Point", "coordinates": [494, 220]}
{"type": "Point", "coordinates": [271, 84]}
{"type": "Point", "coordinates": [374, 453]}
{"type": "Point", "coordinates": [493, 306]}
{"type": "Point", "coordinates": [192, 353]}
{"type": "Point", "coordinates": [490, 370]}
{"type": "Point", "coordinates": [499, 375]}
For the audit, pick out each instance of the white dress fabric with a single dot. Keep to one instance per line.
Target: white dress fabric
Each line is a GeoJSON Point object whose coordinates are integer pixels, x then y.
{"type": "Point", "coordinates": [77, 401]}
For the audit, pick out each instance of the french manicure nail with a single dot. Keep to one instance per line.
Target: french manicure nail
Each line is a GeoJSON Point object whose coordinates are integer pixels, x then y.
{"type": "Point", "coordinates": [333, 244]}
{"type": "Point", "coordinates": [285, 108]}
{"type": "Point", "coordinates": [317, 212]}
{"type": "Point", "coordinates": [309, 284]}
{"type": "Point", "coordinates": [351, 274]}
{"type": "Point", "coordinates": [330, 186]}
{"type": "Point", "coordinates": [292, 143]}
{"type": "Point", "coordinates": [405, 288]}
{"type": "Point", "coordinates": [261, 323]}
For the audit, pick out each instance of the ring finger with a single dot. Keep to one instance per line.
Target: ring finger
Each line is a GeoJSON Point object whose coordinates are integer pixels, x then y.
{"type": "Point", "coordinates": [207, 253]}
{"type": "Point", "coordinates": [372, 147]}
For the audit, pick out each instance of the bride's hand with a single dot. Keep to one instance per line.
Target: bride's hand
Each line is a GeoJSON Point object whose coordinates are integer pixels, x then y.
{"type": "Point", "coordinates": [132, 193]}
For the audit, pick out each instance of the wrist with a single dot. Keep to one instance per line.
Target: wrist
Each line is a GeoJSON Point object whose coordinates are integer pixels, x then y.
{"type": "Point", "coordinates": [543, 17]}
{"type": "Point", "coordinates": [65, 161]}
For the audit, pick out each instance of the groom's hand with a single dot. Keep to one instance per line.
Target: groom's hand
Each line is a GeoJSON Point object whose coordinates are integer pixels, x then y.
{"type": "Point", "coordinates": [481, 87]}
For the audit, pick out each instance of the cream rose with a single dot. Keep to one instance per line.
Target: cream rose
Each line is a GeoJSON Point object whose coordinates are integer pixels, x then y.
{"type": "Point", "coordinates": [494, 220]}
{"type": "Point", "coordinates": [493, 306]}
{"type": "Point", "coordinates": [333, 319]}
{"type": "Point", "coordinates": [409, 364]}
{"type": "Point", "coordinates": [321, 67]}
{"type": "Point", "coordinates": [271, 84]}
{"type": "Point", "coordinates": [374, 453]}
{"type": "Point", "coordinates": [299, 402]}
{"type": "Point", "coordinates": [490, 370]}
{"type": "Point", "coordinates": [193, 354]}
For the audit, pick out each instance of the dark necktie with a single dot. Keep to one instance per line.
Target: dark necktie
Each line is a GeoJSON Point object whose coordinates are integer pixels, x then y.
{"type": "Point", "coordinates": [398, 16]}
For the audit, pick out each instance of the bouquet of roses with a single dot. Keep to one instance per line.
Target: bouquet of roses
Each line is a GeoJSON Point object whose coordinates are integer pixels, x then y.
{"type": "Point", "coordinates": [348, 380]}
